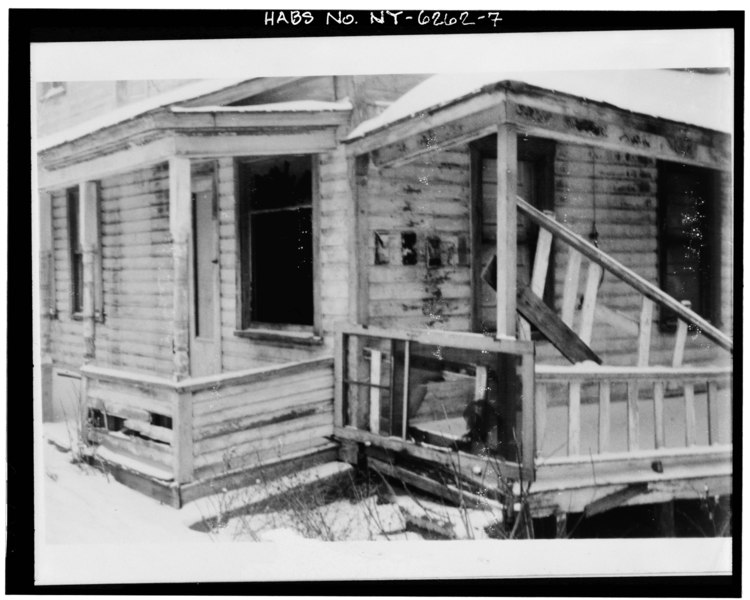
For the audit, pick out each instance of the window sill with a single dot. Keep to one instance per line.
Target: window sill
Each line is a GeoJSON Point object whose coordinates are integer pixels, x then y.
{"type": "Point", "coordinates": [302, 338]}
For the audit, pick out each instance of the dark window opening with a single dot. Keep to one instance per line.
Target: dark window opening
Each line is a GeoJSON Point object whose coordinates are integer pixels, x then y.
{"type": "Point", "coordinates": [409, 248]}
{"type": "Point", "coordinates": [276, 216]}
{"type": "Point", "coordinates": [161, 421]}
{"type": "Point", "coordinates": [76, 253]}
{"type": "Point", "coordinates": [688, 239]}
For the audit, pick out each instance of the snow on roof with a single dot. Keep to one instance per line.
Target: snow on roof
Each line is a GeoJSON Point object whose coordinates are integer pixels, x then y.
{"type": "Point", "coordinates": [695, 98]}
{"type": "Point", "coordinates": [294, 106]}
{"type": "Point", "coordinates": [130, 111]}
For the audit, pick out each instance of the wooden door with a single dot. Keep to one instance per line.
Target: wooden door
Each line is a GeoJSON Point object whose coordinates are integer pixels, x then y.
{"type": "Point", "coordinates": [205, 326]}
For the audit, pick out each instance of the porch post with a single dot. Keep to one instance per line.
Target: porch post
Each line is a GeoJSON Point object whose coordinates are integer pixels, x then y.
{"type": "Point", "coordinates": [179, 227]}
{"type": "Point", "coordinates": [89, 236]}
{"type": "Point", "coordinates": [507, 164]}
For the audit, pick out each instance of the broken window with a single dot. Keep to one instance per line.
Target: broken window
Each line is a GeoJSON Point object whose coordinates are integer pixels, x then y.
{"type": "Point", "coordinates": [688, 239]}
{"type": "Point", "coordinates": [276, 240]}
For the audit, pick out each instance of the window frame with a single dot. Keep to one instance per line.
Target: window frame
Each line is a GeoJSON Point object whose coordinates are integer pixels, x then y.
{"type": "Point", "coordinates": [709, 268]}
{"type": "Point", "coordinates": [245, 325]}
{"type": "Point", "coordinates": [75, 248]}
{"type": "Point", "coordinates": [75, 251]}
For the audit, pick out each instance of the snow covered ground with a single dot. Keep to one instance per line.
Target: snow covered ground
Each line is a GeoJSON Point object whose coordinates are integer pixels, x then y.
{"type": "Point", "coordinates": [83, 504]}
{"type": "Point", "coordinates": [92, 529]}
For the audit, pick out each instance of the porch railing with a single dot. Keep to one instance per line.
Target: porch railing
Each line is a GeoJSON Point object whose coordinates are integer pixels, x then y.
{"type": "Point", "coordinates": [682, 382]}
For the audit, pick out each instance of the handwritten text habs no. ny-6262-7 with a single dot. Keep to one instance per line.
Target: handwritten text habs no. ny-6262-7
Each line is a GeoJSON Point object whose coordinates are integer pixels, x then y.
{"type": "Point", "coordinates": [428, 18]}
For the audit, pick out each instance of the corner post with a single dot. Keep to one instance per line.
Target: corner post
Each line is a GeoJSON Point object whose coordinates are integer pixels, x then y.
{"type": "Point", "coordinates": [507, 166]}
{"type": "Point", "coordinates": [179, 228]}
{"type": "Point", "coordinates": [182, 431]}
{"type": "Point", "coordinates": [89, 238]}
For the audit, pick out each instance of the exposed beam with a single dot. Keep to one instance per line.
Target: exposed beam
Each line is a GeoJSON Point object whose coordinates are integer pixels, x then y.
{"type": "Point", "coordinates": [438, 138]}
{"type": "Point", "coordinates": [421, 123]}
{"type": "Point", "coordinates": [617, 132]}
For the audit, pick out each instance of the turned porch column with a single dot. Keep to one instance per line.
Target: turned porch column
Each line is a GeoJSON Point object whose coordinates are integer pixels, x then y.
{"type": "Point", "coordinates": [88, 218]}
{"type": "Point", "coordinates": [507, 165]}
{"type": "Point", "coordinates": [179, 227]}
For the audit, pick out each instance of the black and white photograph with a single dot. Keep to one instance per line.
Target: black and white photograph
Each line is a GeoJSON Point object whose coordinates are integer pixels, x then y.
{"type": "Point", "coordinates": [461, 303]}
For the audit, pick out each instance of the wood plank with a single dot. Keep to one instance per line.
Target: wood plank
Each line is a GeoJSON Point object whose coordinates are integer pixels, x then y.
{"type": "Point", "coordinates": [659, 434]}
{"type": "Point", "coordinates": [476, 468]}
{"type": "Point", "coordinates": [507, 165]}
{"type": "Point", "coordinates": [405, 398]}
{"type": "Point", "coordinates": [153, 452]}
{"type": "Point", "coordinates": [541, 416]}
{"type": "Point", "coordinates": [679, 343]}
{"type": "Point", "coordinates": [593, 279]}
{"type": "Point", "coordinates": [160, 434]}
{"type": "Point", "coordinates": [566, 373]}
{"type": "Point", "coordinates": [604, 416]}
{"type": "Point", "coordinates": [711, 412]}
{"type": "Point", "coordinates": [615, 499]}
{"type": "Point", "coordinates": [633, 419]}
{"type": "Point", "coordinates": [338, 377]}
{"type": "Point", "coordinates": [180, 212]}
{"type": "Point", "coordinates": [552, 327]}
{"type": "Point", "coordinates": [570, 288]}
{"type": "Point", "coordinates": [574, 419]}
{"type": "Point", "coordinates": [376, 358]}
{"type": "Point", "coordinates": [528, 447]}
{"type": "Point", "coordinates": [268, 414]}
{"type": "Point", "coordinates": [689, 392]}
{"type": "Point", "coordinates": [454, 339]}
{"type": "Point", "coordinates": [227, 435]}
{"type": "Point", "coordinates": [541, 262]}
{"type": "Point", "coordinates": [123, 411]}
{"type": "Point", "coordinates": [644, 332]}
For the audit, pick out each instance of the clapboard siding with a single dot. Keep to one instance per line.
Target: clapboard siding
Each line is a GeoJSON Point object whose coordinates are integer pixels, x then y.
{"type": "Point", "coordinates": [65, 332]}
{"type": "Point", "coordinates": [243, 425]}
{"type": "Point", "coordinates": [334, 199]}
{"type": "Point", "coordinates": [137, 272]}
{"type": "Point", "coordinates": [430, 197]}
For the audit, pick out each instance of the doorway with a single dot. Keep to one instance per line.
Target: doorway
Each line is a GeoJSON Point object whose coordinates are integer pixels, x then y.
{"type": "Point", "coordinates": [535, 180]}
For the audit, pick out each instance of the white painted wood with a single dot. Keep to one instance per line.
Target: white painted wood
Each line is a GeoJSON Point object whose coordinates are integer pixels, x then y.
{"type": "Point", "coordinates": [507, 167]}
{"type": "Point", "coordinates": [570, 287]}
{"type": "Point", "coordinates": [376, 361]}
{"type": "Point", "coordinates": [179, 225]}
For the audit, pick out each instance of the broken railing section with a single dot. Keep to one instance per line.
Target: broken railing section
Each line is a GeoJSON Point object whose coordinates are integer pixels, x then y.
{"type": "Point", "coordinates": [600, 263]}
{"type": "Point", "coordinates": [456, 391]}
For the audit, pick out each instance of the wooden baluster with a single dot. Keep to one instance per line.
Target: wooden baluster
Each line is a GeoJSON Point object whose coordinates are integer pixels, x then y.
{"type": "Point", "coordinates": [570, 287]}
{"type": "Point", "coordinates": [644, 332]}
{"type": "Point", "coordinates": [689, 414]}
{"type": "Point", "coordinates": [541, 415]}
{"type": "Point", "coordinates": [604, 395]}
{"type": "Point", "coordinates": [574, 419]}
{"type": "Point", "coordinates": [405, 400]}
{"type": "Point", "coordinates": [376, 361]}
{"type": "Point", "coordinates": [679, 343]}
{"type": "Point", "coordinates": [589, 302]}
{"type": "Point", "coordinates": [659, 414]}
{"type": "Point", "coordinates": [538, 276]}
{"type": "Point", "coordinates": [633, 415]}
{"type": "Point", "coordinates": [712, 407]}
{"type": "Point", "coordinates": [541, 262]}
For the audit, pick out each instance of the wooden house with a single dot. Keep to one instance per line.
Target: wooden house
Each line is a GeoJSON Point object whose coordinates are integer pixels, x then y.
{"type": "Point", "coordinates": [523, 282]}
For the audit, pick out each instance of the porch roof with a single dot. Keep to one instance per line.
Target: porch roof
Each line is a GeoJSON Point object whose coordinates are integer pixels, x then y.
{"type": "Point", "coordinates": [136, 109]}
{"type": "Point", "coordinates": [686, 97]}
